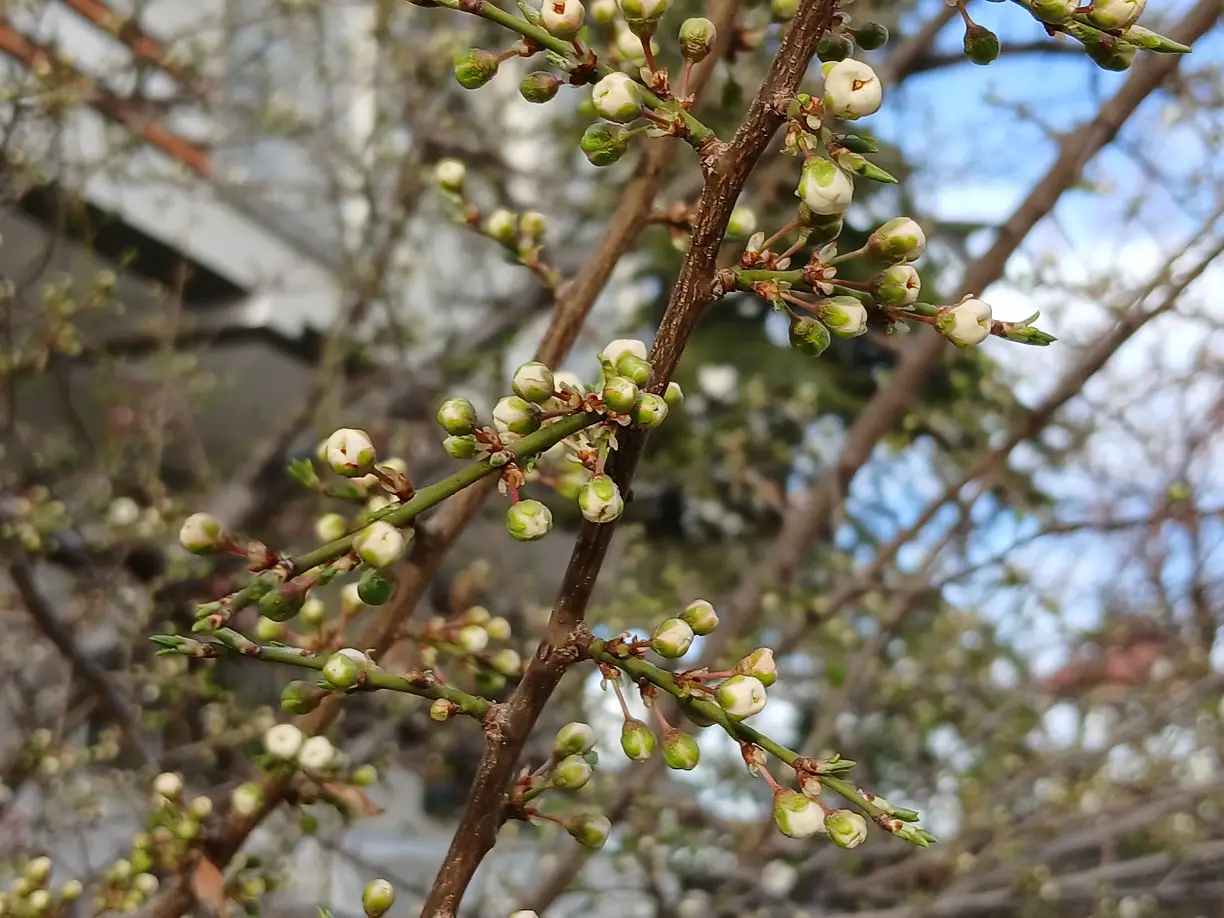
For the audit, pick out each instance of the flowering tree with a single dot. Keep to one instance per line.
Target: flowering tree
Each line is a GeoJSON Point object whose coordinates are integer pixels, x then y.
{"type": "Point", "coordinates": [582, 440]}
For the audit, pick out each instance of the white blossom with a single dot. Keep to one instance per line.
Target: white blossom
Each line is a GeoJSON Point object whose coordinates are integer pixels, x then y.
{"type": "Point", "coordinates": [852, 90]}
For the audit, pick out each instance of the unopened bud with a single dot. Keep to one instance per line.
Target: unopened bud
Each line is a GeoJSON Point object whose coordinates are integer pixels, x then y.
{"type": "Point", "coordinates": [1111, 55]}
{"type": "Point", "coordinates": [672, 638]}
{"type": "Point", "coordinates": [441, 710]}
{"type": "Point", "coordinates": [200, 808]}
{"type": "Point", "coordinates": [267, 630]}
{"type": "Point", "coordinates": [375, 588]}
{"type": "Point", "coordinates": [203, 534]}
{"type": "Point", "coordinates": [642, 13]}
{"type": "Point", "coordinates": [844, 316]}
{"type": "Point", "coordinates": [472, 638]}
{"type": "Point", "coordinates": [1054, 12]}
{"type": "Point", "coordinates": [502, 225]}
{"type": "Point", "coordinates": [604, 144]}
{"type": "Point", "coordinates": [680, 751]}
{"type": "Point", "coordinates": [898, 285]}
{"type": "Point", "coordinates": [330, 526]}
{"type": "Point", "coordinates": [825, 188]}
{"type": "Point", "coordinates": [760, 665]}
{"type": "Point", "coordinates": [574, 738]}
{"type": "Point", "coordinates": [809, 336]}
{"type": "Point", "coordinates": [697, 37]}
{"type": "Point", "coordinates": [507, 662]}
{"type": "Point", "coordinates": [634, 368]}
{"type": "Point", "coordinates": [600, 500]}
{"type": "Point", "coordinates": [870, 36]}
{"type": "Point", "coordinates": [364, 775]}
{"type": "Point", "coordinates": [498, 628]}
{"type": "Point", "coordinates": [280, 605]}
{"type": "Point", "coordinates": [313, 611]}
{"type": "Point", "coordinates": [350, 452]}
{"type": "Point", "coordinates": [380, 544]}
{"type": "Point", "coordinates": [967, 323]}
{"type": "Point", "coordinates": [981, 44]}
{"type": "Point", "coordinates": [1112, 15]}
{"type": "Point", "coordinates": [457, 416]}
{"type": "Point", "coordinates": [300, 697]}
{"type": "Point", "coordinates": [637, 741]}
{"type": "Point", "coordinates": [674, 394]}
{"type": "Point", "coordinates": [603, 12]}
{"type": "Point", "coordinates": [588, 829]}
{"type": "Point", "coordinates": [899, 240]}
{"type": "Point", "coordinates": [516, 415]}
{"type": "Point", "coordinates": [796, 816]}
{"type": "Point", "coordinates": [741, 696]}
{"type": "Point", "coordinates": [562, 18]}
{"type": "Point", "coordinates": [533, 225]}
{"type": "Point", "coordinates": [784, 10]}
{"type": "Point", "coordinates": [571, 773]}
{"type": "Point", "coordinates": [341, 671]}
{"type": "Point", "coordinates": [474, 68]}
{"type": "Point", "coordinates": [846, 828]}
{"type": "Point", "coordinates": [283, 742]}
{"type": "Point", "coordinates": [743, 223]}
{"type": "Point", "coordinates": [833, 47]}
{"type": "Point", "coordinates": [617, 98]}
{"type": "Point", "coordinates": [450, 174]}
{"type": "Point", "coordinates": [620, 394]}
{"type": "Point", "coordinates": [700, 616]}
{"type": "Point", "coordinates": [534, 382]}
{"type": "Point", "coordinates": [461, 447]}
{"type": "Point", "coordinates": [528, 520]}
{"type": "Point", "coordinates": [650, 411]}
{"type": "Point", "coordinates": [377, 898]}
{"type": "Point", "coordinates": [247, 799]}
{"type": "Point", "coordinates": [168, 785]}
{"type": "Point", "coordinates": [852, 90]}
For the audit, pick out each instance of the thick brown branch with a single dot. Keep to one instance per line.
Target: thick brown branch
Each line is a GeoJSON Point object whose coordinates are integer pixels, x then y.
{"type": "Point", "coordinates": [693, 291]}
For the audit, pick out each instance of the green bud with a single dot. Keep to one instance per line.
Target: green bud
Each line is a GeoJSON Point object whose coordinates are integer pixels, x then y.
{"type": "Point", "coordinates": [507, 662]}
{"type": "Point", "coordinates": [808, 336]}
{"type": "Point", "coordinates": [844, 316]}
{"type": "Point", "coordinates": [834, 46]}
{"type": "Point", "coordinates": [674, 395]}
{"type": "Point", "coordinates": [574, 738]}
{"type": "Point", "coordinates": [364, 775]}
{"type": "Point", "coordinates": [600, 500]}
{"type": "Point", "coordinates": [620, 394]}
{"type": "Point", "coordinates": [870, 36]}
{"type": "Point", "coordinates": [474, 68]}
{"type": "Point", "coordinates": [700, 616]}
{"type": "Point", "coordinates": [464, 447]}
{"type": "Point", "coordinates": [784, 10]}
{"type": "Point", "coordinates": [267, 630]}
{"type": "Point", "coordinates": [634, 368]}
{"type": "Point", "coordinates": [1054, 12]}
{"type": "Point", "coordinates": [534, 382]}
{"type": "Point", "coordinates": [796, 816]}
{"type": "Point", "coordinates": [308, 823]}
{"type": "Point", "coordinates": [377, 898]}
{"type": "Point", "coordinates": [637, 741]}
{"type": "Point", "coordinates": [375, 588]}
{"type": "Point", "coordinates": [603, 12]}
{"type": "Point", "coordinates": [672, 638]}
{"type": "Point", "coordinates": [981, 44]}
{"type": "Point", "coordinates": [279, 607]}
{"type": "Point", "coordinates": [457, 416]}
{"type": "Point", "coordinates": [650, 411]}
{"type": "Point", "coordinates": [680, 751]}
{"type": "Point", "coordinates": [590, 830]}
{"type": "Point", "coordinates": [528, 520]}
{"type": "Point", "coordinates": [642, 13]}
{"type": "Point", "coordinates": [1117, 58]}
{"type": "Point", "coordinates": [300, 697]}
{"type": "Point", "coordinates": [539, 87]}
{"type": "Point", "coordinates": [898, 285]}
{"type": "Point", "coordinates": [697, 37]}
{"type": "Point", "coordinates": [571, 773]}
{"type": "Point", "coordinates": [341, 671]}
{"type": "Point", "coordinates": [604, 144]}
{"type": "Point", "coordinates": [846, 829]}
{"type": "Point", "coordinates": [900, 239]}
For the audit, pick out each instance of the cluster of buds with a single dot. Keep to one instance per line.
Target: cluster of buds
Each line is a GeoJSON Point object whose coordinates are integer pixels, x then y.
{"type": "Point", "coordinates": [30, 892]}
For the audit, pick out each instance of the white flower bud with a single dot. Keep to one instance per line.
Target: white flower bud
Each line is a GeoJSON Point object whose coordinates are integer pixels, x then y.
{"type": "Point", "coordinates": [450, 173]}
{"type": "Point", "coordinates": [743, 223]}
{"type": "Point", "coordinates": [533, 224]}
{"type": "Point", "coordinates": [650, 411]}
{"type": "Point", "coordinates": [498, 628]}
{"type": "Point", "coordinates": [350, 452]}
{"type": "Point", "coordinates": [502, 225]}
{"type": "Point", "coordinates": [283, 742]}
{"type": "Point", "coordinates": [123, 511]}
{"type": "Point", "coordinates": [900, 239]}
{"type": "Point", "coordinates": [600, 500]}
{"type": "Point", "coordinates": [38, 869]}
{"type": "Point", "coordinates": [1054, 12]}
{"type": "Point", "coordinates": [515, 415]}
{"type": "Point", "coordinates": [700, 616]}
{"type": "Point", "coordinates": [146, 883]}
{"type": "Point", "coordinates": [508, 662]}
{"type": "Point", "coordinates": [575, 738]}
{"type": "Point", "coordinates": [200, 808]}
{"type": "Point", "coordinates": [898, 285]}
{"type": "Point", "coordinates": [562, 18]}
{"type": "Point", "coordinates": [457, 416]}
{"type": "Point", "coordinates": [844, 316]}
{"type": "Point", "coordinates": [71, 891]}
{"type": "Point", "coordinates": [589, 830]}
{"type": "Point", "coordinates": [621, 347]}
{"type": "Point", "coordinates": [202, 534]}
{"type": "Point", "coordinates": [966, 323]}
{"type": "Point", "coordinates": [528, 520]}
{"type": "Point", "coordinates": [246, 799]}
{"type": "Point", "coordinates": [526, 912]}
{"type": "Point", "coordinates": [778, 878]}
{"type": "Point", "coordinates": [380, 544]}
{"type": "Point", "coordinates": [603, 12]}
{"type": "Point", "coordinates": [313, 611]}
{"type": "Point", "coordinates": [330, 526]}
{"type": "Point", "coordinates": [825, 188]}
{"type": "Point", "coordinates": [797, 816]}
{"type": "Point", "coordinates": [672, 638]}
{"type": "Point", "coordinates": [534, 382]}
{"type": "Point", "coordinates": [617, 98]}
{"type": "Point", "coordinates": [846, 829]}
{"type": "Point", "coordinates": [168, 785]}
{"type": "Point", "coordinates": [472, 638]}
{"type": "Point", "coordinates": [571, 773]}
{"type": "Point", "coordinates": [760, 665]}
{"type": "Point", "coordinates": [741, 696]}
{"type": "Point", "coordinates": [350, 599]}
{"type": "Point", "coordinates": [852, 90]}
{"type": "Point", "coordinates": [317, 754]}
{"type": "Point", "coordinates": [1112, 15]}
{"type": "Point", "coordinates": [377, 898]}
{"type": "Point", "coordinates": [620, 394]}
{"type": "Point", "coordinates": [341, 670]}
